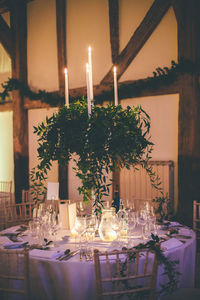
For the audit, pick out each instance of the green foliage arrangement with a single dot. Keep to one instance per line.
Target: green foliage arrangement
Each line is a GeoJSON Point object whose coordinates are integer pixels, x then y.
{"type": "Point", "coordinates": [112, 137]}
{"type": "Point", "coordinates": [162, 207]}
{"type": "Point", "coordinates": [38, 189]}
{"type": "Point", "coordinates": [169, 265]}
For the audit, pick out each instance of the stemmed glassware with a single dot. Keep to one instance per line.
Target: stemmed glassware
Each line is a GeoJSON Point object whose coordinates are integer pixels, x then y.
{"type": "Point", "coordinates": [142, 220]}
{"type": "Point", "coordinates": [80, 227]}
{"type": "Point", "coordinates": [117, 226]}
{"type": "Point", "coordinates": [132, 220]}
{"type": "Point", "coordinates": [152, 219]}
{"type": "Point", "coordinates": [90, 234]}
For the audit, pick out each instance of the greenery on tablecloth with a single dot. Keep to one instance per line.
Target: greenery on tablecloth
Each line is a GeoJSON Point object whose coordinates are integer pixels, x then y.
{"type": "Point", "coordinates": [169, 265]}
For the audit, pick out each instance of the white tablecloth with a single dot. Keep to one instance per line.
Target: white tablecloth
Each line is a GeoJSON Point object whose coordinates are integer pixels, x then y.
{"type": "Point", "coordinates": [74, 280]}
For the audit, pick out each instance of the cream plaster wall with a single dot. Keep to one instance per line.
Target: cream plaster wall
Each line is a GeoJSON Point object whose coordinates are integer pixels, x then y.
{"type": "Point", "coordinates": [163, 111]}
{"type": "Point", "coordinates": [6, 147]}
{"type": "Point", "coordinates": [42, 45]}
{"type": "Point", "coordinates": [87, 25]}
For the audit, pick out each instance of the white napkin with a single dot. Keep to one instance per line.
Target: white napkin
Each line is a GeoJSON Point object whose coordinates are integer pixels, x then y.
{"type": "Point", "coordinates": [172, 224]}
{"type": "Point", "coordinates": [4, 239]}
{"type": "Point", "coordinates": [171, 244]}
{"type": "Point", "coordinates": [49, 254]}
{"type": "Point", "coordinates": [11, 229]}
{"type": "Point", "coordinates": [13, 245]}
{"type": "Point", "coordinates": [185, 231]}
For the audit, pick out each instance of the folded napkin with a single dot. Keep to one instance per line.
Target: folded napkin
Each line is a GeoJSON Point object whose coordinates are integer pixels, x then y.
{"type": "Point", "coordinates": [171, 244]}
{"type": "Point", "coordinates": [45, 253]}
{"type": "Point", "coordinates": [185, 231]}
{"type": "Point", "coordinates": [11, 230]}
{"type": "Point", "coordinates": [172, 224]}
{"type": "Point", "coordinates": [14, 245]}
{"type": "Point", "coordinates": [4, 239]}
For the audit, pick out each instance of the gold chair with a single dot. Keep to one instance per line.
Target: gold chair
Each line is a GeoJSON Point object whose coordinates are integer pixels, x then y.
{"type": "Point", "coordinates": [127, 272]}
{"type": "Point", "coordinates": [14, 273]}
{"type": "Point", "coordinates": [18, 213]}
{"type": "Point", "coordinates": [196, 221]}
{"type": "Point", "coordinates": [2, 217]}
{"type": "Point", "coordinates": [5, 192]}
{"type": "Point", "coordinates": [26, 196]}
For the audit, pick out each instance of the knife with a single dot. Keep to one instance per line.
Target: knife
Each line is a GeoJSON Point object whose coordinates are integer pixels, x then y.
{"type": "Point", "coordinates": [67, 252]}
{"type": "Point", "coordinates": [68, 256]}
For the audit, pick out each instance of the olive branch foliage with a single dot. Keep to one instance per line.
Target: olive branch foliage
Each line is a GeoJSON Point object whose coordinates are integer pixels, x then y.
{"type": "Point", "coordinates": [169, 265]}
{"type": "Point", "coordinates": [110, 138]}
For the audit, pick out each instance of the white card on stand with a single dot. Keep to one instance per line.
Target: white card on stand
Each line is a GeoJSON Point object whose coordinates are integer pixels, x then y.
{"type": "Point", "coordinates": [52, 190]}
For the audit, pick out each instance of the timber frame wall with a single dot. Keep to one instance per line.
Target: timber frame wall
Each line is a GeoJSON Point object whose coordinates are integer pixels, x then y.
{"type": "Point", "coordinates": [187, 13]}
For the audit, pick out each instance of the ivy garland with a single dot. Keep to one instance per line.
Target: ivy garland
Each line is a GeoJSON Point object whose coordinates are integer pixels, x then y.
{"type": "Point", "coordinates": [160, 76]}
{"type": "Point", "coordinates": [169, 265]}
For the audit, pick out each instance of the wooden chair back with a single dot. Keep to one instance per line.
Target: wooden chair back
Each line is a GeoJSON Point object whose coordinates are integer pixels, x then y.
{"type": "Point", "coordinates": [2, 217]}
{"type": "Point", "coordinates": [26, 196]}
{"type": "Point", "coordinates": [126, 272]}
{"type": "Point", "coordinates": [14, 273]}
{"type": "Point", "coordinates": [196, 223]}
{"type": "Point", "coordinates": [18, 213]}
{"type": "Point", "coordinates": [5, 192]}
{"type": "Point", "coordinates": [196, 216]}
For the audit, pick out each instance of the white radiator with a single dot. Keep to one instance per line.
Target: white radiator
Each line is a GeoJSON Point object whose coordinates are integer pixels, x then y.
{"type": "Point", "coordinates": [135, 185]}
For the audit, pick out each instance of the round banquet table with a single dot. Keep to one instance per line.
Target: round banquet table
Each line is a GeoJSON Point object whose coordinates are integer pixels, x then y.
{"type": "Point", "coordinates": [75, 280]}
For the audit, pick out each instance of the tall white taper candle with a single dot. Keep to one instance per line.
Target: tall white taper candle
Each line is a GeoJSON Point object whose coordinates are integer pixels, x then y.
{"type": "Point", "coordinates": [115, 85]}
{"type": "Point", "coordinates": [88, 89]}
{"type": "Point", "coordinates": [90, 72]}
{"type": "Point", "coordinates": [66, 88]}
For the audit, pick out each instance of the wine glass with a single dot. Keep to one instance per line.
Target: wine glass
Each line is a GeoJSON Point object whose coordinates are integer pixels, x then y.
{"type": "Point", "coordinates": [142, 220]}
{"type": "Point", "coordinates": [80, 227]}
{"type": "Point", "coordinates": [90, 235]}
{"type": "Point", "coordinates": [131, 222]}
{"type": "Point", "coordinates": [152, 219]}
{"type": "Point", "coordinates": [117, 226]}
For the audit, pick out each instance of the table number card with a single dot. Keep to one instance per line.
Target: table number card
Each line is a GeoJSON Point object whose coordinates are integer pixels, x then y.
{"type": "Point", "coordinates": [53, 191]}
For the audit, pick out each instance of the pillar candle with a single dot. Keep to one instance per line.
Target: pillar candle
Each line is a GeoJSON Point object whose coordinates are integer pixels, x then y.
{"type": "Point", "coordinates": [90, 72]}
{"type": "Point", "coordinates": [66, 88]}
{"type": "Point", "coordinates": [88, 89]}
{"type": "Point", "coordinates": [115, 85]}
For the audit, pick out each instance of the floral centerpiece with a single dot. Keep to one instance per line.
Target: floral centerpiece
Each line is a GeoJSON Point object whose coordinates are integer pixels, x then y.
{"type": "Point", "coordinates": [110, 137]}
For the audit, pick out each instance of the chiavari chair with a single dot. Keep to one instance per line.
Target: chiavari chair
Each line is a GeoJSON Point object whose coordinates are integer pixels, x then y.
{"type": "Point", "coordinates": [127, 272]}
{"type": "Point", "coordinates": [14, 274]}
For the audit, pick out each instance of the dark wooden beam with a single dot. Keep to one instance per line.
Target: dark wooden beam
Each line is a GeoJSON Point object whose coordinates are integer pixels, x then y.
{"type": "Point", "coordinates": [138, 39]}
{"type": "Point", "coordinates": [20, 114]}
{"type": "Point", "coordinates": [187, 13]}
{"type": "Point", "coordinates": [114, 28]}
{"type": "Point", "coordinates": [62, 63]}
{"type": "Point", "coordinates": [61, 42]}
{"type": "Point", "coordinates": [7, 106]}
{"type": "Point", "coordinates": [6, 5]}
{"type": "Point", "coordinates": [107, 90]}
{"type": "Point", "coordinates": [6, 37]}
